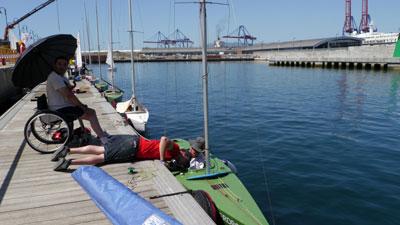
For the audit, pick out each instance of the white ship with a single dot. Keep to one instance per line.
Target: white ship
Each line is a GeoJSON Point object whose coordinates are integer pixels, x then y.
{"type": "Point", "coordinates": [376, 38]}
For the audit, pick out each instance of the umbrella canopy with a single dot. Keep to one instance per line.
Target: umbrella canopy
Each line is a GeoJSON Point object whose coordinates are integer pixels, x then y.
{"type": "Point", "coordinates": [36, 63]}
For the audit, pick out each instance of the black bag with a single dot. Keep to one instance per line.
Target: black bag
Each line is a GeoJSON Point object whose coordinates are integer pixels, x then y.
{"type": "Point", "coordinates": [42, 102]}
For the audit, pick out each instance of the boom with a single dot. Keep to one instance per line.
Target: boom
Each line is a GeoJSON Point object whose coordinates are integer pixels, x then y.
{"type": "Point", "coordinates": [11, 25]}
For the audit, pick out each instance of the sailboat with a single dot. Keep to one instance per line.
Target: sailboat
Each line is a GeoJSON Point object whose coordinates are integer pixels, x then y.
{"type": "Point", "coordinates": [110, 61]}
{"type": "Point", "coordinates": [136, 113]}
{"type": "Point", "coordinates": [78, 52]}
{"type": "Point", "coordinates": [112, 95]}
{"type": "Point", "coordinates": [78, 58]}
{"type": "Point", "coordinates": [100, 84]}
{"type": "Point", "coordinates": [218, 179]}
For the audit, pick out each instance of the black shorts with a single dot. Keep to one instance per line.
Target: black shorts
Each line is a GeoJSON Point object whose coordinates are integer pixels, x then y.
{"type": "Point", "coordinates": [120, 148]}
{"type": "Point", "coordinates": [71, 113]}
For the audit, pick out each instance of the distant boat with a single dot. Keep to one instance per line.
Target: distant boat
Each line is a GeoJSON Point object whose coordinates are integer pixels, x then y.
{"type": "Point", "coordinates": [112, 95]}
{"type": "Point", "coordinates": [110, 61]}
{"type": "Point", "coordinates": [136, 112]}
{"type": "Point", "coordinates": [78, 52]}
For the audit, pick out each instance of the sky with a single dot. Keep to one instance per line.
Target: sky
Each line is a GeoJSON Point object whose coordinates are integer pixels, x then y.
{"type": "Point", "coordinates": [268, 20]}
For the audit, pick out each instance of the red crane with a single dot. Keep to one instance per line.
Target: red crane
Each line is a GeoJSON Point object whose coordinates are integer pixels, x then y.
{"type": "Point", "coordinates": [11, 25]}
{"type": "Point", "coordinates": [365, 18]}
{"type": "Point", "coordinates": [349, 23]}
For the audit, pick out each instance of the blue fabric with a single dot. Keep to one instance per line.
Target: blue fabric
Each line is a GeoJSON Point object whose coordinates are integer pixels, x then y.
{"type": "Point", "coordinates": [118, 203]}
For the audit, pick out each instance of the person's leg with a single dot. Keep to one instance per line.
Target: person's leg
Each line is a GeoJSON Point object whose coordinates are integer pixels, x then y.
{"type": "Point", "coordinates": [88, 149]}
{"type": "Point", "coordinates": [90, 160]}
{"type": "Point", "coordinates": [90, 115]}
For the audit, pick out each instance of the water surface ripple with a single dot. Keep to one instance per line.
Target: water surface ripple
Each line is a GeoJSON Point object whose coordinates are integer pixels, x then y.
{"type": "Point", "coordinates": [327, 141]}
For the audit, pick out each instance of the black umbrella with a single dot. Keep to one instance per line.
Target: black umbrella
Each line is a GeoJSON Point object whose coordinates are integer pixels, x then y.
{"type": "Point", "coordinates": [36, 63]}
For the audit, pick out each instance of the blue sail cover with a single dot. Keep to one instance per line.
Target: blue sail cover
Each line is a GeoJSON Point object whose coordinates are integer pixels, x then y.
{"type": "Point", "coordinates": [119, 203]}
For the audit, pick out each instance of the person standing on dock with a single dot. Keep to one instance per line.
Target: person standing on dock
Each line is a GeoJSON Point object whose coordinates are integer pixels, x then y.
{"type": "Point", "coordinates": [62, 99]}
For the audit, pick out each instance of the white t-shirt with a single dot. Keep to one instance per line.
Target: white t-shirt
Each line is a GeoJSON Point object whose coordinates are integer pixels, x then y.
{"type": "Point", "coordinates": [198, 162]}
{"type": "Point", "coordinates": [54, 98]}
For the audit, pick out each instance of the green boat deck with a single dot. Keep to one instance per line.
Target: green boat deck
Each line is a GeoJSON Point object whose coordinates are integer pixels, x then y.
{"type": "Point", "coordinates": [231, 197]}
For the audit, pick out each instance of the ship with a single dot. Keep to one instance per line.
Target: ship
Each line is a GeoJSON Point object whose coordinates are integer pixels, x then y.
{"type": "Point", "coordinates": [377, 38]}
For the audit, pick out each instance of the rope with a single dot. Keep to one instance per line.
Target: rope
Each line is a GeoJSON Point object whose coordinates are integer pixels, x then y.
{"type": "Point", "coordinates": [264, 170]}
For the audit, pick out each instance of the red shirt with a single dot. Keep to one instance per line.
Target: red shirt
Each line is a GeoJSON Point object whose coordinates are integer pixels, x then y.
{"type": "Point", "coordinates": [150, 149]}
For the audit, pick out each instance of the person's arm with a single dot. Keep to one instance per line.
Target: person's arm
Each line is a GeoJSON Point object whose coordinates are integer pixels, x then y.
{"type": "Point", "coordinates": [163, 145]}
{"type": "Point", "coordinates": [67, 93]}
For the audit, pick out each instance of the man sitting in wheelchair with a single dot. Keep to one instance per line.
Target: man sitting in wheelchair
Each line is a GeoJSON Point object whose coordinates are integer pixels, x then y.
{"type": "Point", "coordinates": [63, 100]}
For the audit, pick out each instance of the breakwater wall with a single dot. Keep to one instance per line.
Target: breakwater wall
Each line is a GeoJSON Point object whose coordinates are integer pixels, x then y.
{"type": "Point", "coordinates": [365, 56]}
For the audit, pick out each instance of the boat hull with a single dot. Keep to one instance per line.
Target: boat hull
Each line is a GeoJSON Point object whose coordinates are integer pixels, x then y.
{"type": "Point", "coordinates": [138, 119]}
{"type": "Point", "coordinates": [101, 86]}
{"type": "Point", "coordinates": [234, 202]}
{"type": "Point", "coordinates": [113, 95]}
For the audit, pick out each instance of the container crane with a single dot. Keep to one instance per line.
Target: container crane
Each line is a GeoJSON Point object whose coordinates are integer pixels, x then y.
{"type": "Point", "coordinates": [349, 23]}
{"type": "Point", "coordinates": [242, 35]}
{"type": "Point", "coordinates": [11, 25]}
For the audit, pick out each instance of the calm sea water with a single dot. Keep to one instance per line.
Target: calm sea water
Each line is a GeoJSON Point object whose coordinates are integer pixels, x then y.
{"type": "Point", "coordinates": [313, 146]}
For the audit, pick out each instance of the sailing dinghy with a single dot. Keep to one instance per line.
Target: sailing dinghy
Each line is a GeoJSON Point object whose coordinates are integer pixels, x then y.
{"type": "Point", "coordinates": [135, 112]}
{"type": "Point", "coordinates": [113, 94]}
{"type": "Point", "coordinates": [218, 179]}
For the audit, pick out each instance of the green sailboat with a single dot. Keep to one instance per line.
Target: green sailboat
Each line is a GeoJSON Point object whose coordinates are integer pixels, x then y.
{"type": "Point", "coordinates": [113, 94]}
{"type": "Point", "coordinates": [397, 49]}
{"type": "Point", "coordinates": [233, 201]}
{"type": "Point", "coordinates": [101, 86]}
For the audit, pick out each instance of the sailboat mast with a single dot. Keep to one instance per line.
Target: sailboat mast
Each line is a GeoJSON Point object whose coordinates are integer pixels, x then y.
{"type": "Point", "coordinates": [98, 42]}
{"type": "Point", "coordinates": [87, 28]}
{"type": "Point", "coordinates": [131, 40]}
{"type": "Point", "coordinates": [111, 45]}
{"type": "Point", "coordinates": [203, 24]}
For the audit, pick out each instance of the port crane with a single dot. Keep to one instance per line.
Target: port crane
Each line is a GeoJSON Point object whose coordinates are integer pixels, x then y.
{"type": "Point", "coordinates": [242, 35]}
{"type": "Point", "coordinates": [175, 39]}
{"type": "Point", "coordinates": [12, 25]}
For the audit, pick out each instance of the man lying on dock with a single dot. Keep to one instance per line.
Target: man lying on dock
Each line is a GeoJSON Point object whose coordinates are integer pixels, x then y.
{"type": "Point", "coordinates": [124, 148]}
{"type": "Point", "coordinates": [63, 100]}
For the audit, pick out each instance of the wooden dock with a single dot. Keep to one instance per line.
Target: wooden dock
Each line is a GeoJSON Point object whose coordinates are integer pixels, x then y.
{"type": "Point", "coordinates": [32, 193]}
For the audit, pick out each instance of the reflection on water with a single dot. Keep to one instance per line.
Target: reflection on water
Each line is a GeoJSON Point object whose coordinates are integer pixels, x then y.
{"type": "Point", "coordinates": [394, 86]}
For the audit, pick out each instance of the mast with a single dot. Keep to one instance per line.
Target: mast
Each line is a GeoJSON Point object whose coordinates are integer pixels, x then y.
{"type": "Point", "coordinates": [203, 26]}
{"type": "Point", "coordinates": [87, 33]}
{"type": "Point", "coordinates": [111, 43]}
{"type": "Point", "coordinates": [98, 42]}
{"type": "Point", "coordinates": [131, 43]}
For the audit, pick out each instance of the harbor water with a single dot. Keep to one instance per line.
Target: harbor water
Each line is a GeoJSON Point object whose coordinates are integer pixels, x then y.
{"type": "Point", "coordinates": [313, 146]}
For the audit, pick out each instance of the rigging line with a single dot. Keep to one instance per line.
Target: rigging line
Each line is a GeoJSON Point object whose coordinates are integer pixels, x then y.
{"type": "Point", "coordinates": [165, 100]}
{"type": "Point", "coordinates": [229, 16]}
{"type": "Point", "coordinates": [58, 17]}
{"type": "Point", "coordinates": [174, 16]}
{"type": "Point", "coordinates": [169, 17]}
{"type": "Point", "coordinates": [88, 32]}
{"type": "Point", "coordinates": [264, 170]}
{"type": "Point", "coordinates": [231, 196]}
{"type": "Point", "coordinates": [140, 18]}
{"type": "Point", "coordinates": [234, 14]}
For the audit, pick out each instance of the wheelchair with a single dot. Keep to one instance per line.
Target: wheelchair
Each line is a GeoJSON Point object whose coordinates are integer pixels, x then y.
{"type": "Point", "coordinates": [47, 131]}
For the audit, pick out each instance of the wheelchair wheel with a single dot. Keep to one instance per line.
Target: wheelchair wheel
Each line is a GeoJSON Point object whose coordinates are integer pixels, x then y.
{"type": "Point", "coordinates": [47, 131]}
